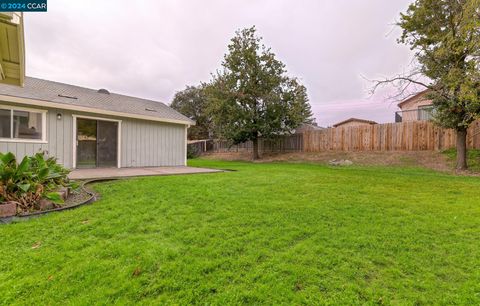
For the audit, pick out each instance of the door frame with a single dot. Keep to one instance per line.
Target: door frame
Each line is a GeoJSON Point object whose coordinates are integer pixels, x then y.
{"type": "Point", "coordinates": [119, 137]}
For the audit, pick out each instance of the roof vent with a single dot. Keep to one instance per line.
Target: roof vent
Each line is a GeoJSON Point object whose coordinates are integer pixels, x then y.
{"type": "Point", "coordinates": [103, 91]}
{"type": "Point", "coordinates": [68, 97]}
{"type": "Point", "coordinates": [150, 110]}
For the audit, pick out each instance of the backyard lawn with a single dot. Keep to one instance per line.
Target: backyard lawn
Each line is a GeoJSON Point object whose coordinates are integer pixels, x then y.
{"type": "Point", "coordinates": [273, 233]}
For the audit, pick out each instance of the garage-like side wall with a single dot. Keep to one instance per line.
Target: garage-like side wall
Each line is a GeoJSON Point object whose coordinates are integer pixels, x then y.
{"type": "Point", "coordinates": [150, 143]}
{"type": "Point", "coordinates": [143, 143]}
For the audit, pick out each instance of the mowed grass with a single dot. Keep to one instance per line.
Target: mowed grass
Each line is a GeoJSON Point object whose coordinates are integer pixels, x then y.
{"type": "Point", "coordinates": [264, 234]}
{"type": "Point", "coordinates": [473, 158]}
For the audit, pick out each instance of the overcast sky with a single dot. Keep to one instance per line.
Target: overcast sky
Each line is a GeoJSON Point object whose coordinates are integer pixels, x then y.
{"type": "Point", "coordinates": [152, 49]}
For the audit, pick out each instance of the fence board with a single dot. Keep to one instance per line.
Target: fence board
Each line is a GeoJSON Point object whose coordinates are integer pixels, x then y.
{"type": "Point", "coordinates": [403, 136]}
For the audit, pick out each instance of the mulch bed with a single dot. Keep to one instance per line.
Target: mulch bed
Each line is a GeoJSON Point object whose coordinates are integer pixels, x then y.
{"type": "Point", "coordinates": [79, 197]}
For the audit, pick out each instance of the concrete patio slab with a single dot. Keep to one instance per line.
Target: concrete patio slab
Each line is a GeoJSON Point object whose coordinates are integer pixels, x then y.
{"type": "Point", "coordinates": [106, 173]}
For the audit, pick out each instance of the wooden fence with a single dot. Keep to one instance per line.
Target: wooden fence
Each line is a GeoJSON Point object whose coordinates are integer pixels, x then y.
{"type": "Point", "coordinates": [198, 147]}
{"type": "Point", "coordinates": [404, 136]}
{"type": "Point", "coordinates": [290, 143]}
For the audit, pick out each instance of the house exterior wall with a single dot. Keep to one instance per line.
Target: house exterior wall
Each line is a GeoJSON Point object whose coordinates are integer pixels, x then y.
{"type": "Point", "coordinates": [143, 143]}
{"type": "Point", "coordinates": [409, 108]}
{"type": "Point", "coordinates": [149, 143]}
{"type": "Point", "coordinates": [415, 103]}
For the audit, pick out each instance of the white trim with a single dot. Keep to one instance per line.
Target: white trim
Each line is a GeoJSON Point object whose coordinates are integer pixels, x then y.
{"type": "Point", "coordinates": [74, 149]}
{"type": "Point", "coordinates": [26, 109]}
{"type": "Point", "coordinates": [119, 145]}
{"type": "Point", "coordinates": [119, 137]}
{"type": "Point", "coordinates": [20, 140]}
{"type": "Point", "coordinates": [96, 118]}
{"type": "Point", "coordinates": [186, 143]}
{"type": "Point", "coordinates": [13, 108]}
{"type": "Point", "coordinates": [49, 104]}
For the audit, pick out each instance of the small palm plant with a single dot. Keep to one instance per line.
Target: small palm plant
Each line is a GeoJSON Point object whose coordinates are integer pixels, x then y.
{"type": "Point", "coordinates": [34, 178]}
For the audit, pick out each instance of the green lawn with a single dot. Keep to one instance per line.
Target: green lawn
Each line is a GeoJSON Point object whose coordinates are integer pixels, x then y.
{"type": "Point", "coordinates": [473, 158]}
{"type": "Point", "coordinates": [265, 234]}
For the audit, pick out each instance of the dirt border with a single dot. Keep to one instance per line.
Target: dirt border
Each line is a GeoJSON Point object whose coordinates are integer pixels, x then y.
{"type": "Point", "coordinates": [93, 198]}
{"type": "Point", "coordinates": [432, 160]}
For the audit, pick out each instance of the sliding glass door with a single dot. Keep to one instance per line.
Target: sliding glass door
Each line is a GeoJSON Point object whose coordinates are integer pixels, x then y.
{"type": "Point", "coordinates": [96, 143]}
{"type": "Point", "coordinates": [86, 143]}
{"type": "Point", "coordinates": [107, 143]}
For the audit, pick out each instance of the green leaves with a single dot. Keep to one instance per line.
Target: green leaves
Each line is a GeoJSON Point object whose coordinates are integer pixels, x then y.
{"type": "Point", "coordinates": [23, 166]}
{"type": "Point", "coordinates": [24, 187]}
{"type": "Point", "coordinates": [34, 178]}
{"type": "Point", "coordinates": [54, 197]}
{"type": "Point", "coordinates": [445, 35]}
{"type": "Point", "coordinates": [192, 103]}
{"type": "Point", "coordinates": [7, 158]}
{"type": "Point", "coordinates": [252, 96]}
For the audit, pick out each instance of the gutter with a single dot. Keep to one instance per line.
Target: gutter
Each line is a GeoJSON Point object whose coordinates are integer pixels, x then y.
{"type": "Point", "coordinates": [49, 104]}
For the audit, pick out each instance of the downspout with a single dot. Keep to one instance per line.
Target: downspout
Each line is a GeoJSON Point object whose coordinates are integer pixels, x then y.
{"type": "Point", "coordinates": [186, 144]}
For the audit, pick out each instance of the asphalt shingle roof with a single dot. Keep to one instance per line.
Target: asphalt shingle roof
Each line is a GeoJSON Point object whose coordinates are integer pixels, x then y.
{"type": "Point", "coordinates": [44, 90]}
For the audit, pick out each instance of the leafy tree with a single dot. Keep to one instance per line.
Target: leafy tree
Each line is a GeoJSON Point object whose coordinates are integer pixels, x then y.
{"type": "Point", "coordinates": [445, 36]}
{"type": "Point", "coordinates": [251, 97]}
{"type": "Point", "coordinates": [191, 102]}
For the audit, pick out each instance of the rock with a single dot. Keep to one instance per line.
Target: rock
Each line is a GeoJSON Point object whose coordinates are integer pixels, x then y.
{"type": "Point", "coordinates": [64, 192]}
{"type": "Point", "coordinates": [45, 204]}
{"type": "Point", "coordinates": [63, 195]}
{"type": "Point", "coordinates": [340, 162]}
{"type": "Point", "coordinates": [8, 209]}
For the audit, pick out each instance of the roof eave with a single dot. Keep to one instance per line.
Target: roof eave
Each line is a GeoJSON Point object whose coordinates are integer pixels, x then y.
{"type": "Point", "coordinates": [412, 98]}
{"type": "Point", "coordinates": [355, 119]}
{"type": "Point", "coordinates": [50, 104]}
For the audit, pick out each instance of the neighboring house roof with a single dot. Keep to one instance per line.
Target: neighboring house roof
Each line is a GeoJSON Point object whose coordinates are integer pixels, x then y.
{"type": "Point", "coordinates": [308, 127]}
{"type": "Point", "coordinates": [354, 120]}
{"type": "Point", "coordinates": [416, 96]}
{"type": "Point", "coordinates": [53, 94]}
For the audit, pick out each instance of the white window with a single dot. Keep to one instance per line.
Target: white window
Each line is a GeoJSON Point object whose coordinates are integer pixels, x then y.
{"type": "Point", "coordinates": [425, 112]}
{"type": "Point", "coordinates": [22, 124]}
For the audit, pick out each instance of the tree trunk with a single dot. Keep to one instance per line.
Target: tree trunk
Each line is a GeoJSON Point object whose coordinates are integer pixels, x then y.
{"type": "Point", "coordinates": [255, 154]}
{"type": "Point", "coordinates": [462, 149]}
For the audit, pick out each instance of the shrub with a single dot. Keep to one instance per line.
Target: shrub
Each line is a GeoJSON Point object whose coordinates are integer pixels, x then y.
{"type": "Point", "coordinates": [192, 151]}
{"type": "Point", "coordinates": [34, 178]}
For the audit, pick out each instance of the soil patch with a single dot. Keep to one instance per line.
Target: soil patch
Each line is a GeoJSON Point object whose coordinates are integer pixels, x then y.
{"type": "Point", "coordinates": [426, 159]}
{"type": "Point", "coordinates": [78, 196]}
{"type": "Point", "coordinates": [75, 198]}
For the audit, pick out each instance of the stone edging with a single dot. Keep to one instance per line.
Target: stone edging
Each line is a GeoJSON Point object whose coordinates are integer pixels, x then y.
{"type": "Point", "coordinates": [91, 199]}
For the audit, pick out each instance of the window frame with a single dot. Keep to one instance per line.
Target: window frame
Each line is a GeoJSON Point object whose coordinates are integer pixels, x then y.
{"type": "Point", "coordinates": [424, 109]}
{"type": "Point", "coordinates": [43, 112]}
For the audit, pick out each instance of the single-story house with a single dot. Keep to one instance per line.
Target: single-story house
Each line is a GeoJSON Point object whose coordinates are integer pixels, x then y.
{"type": "Point", "coordinates": [88, 128]}
{"type": "Point", "coordinates": [415, 108]}
{"type": "Point", "coordinates": [354, 122]}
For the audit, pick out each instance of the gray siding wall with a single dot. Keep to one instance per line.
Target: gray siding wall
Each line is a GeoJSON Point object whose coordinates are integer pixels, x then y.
{"type": "Point", "coordinates": [149, 143]}
{"type": "Point", "coordinates": [143, 143]}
